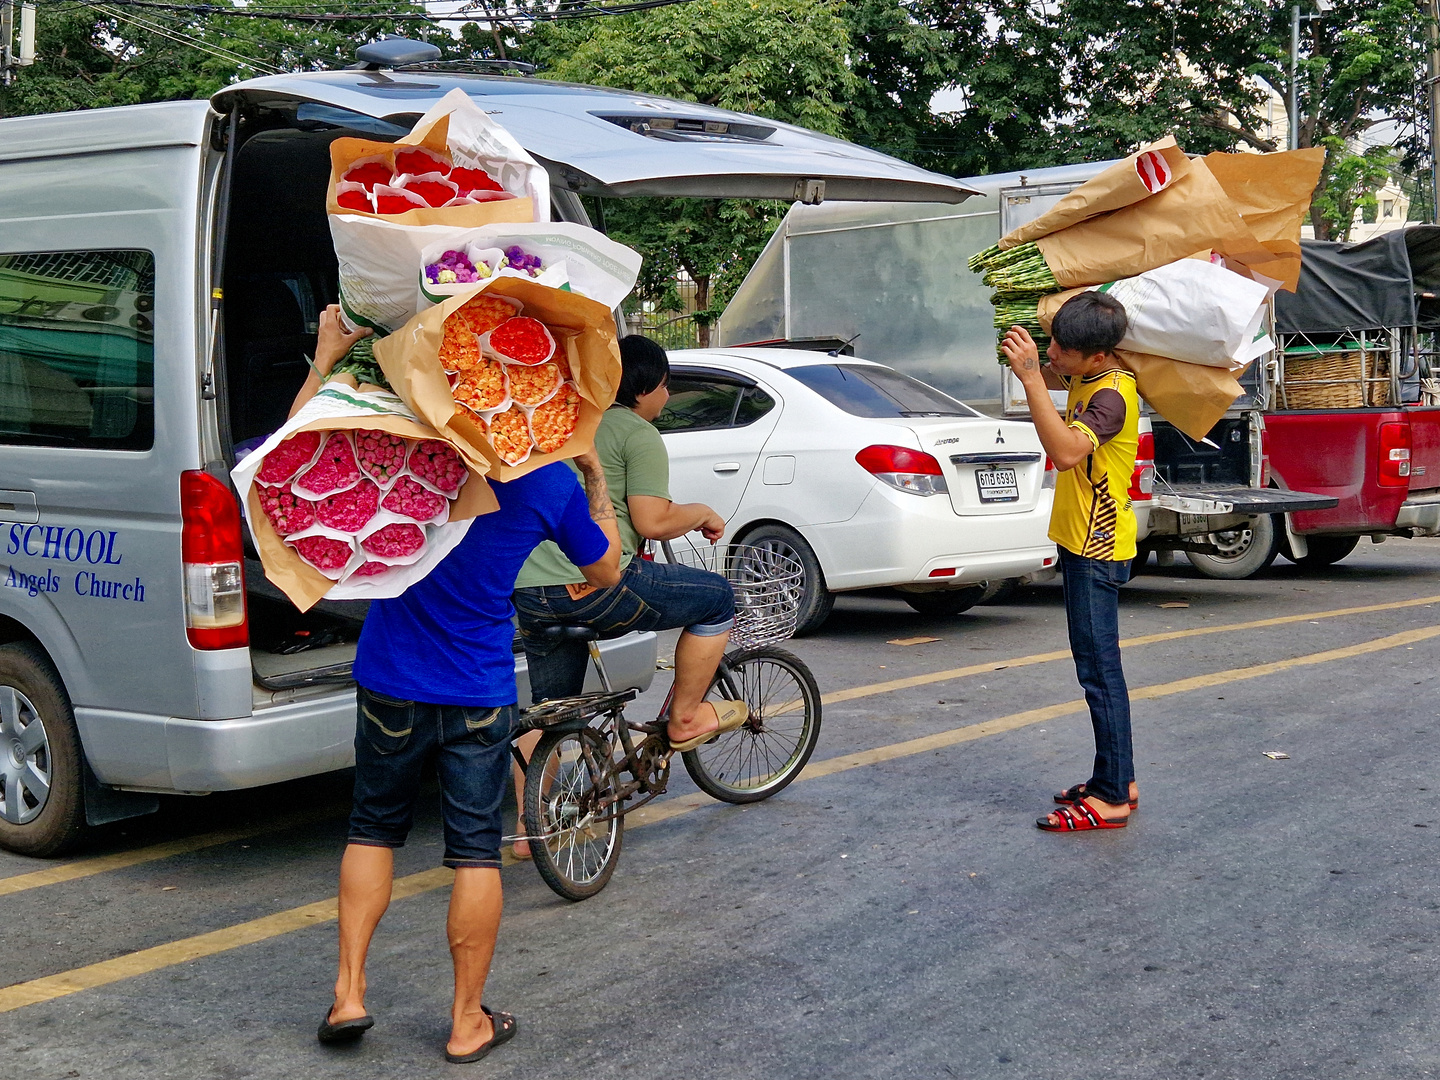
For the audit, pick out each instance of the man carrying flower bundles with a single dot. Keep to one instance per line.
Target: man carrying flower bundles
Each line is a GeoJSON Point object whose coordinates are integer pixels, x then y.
{"type": "Point", "coordinates": [437, 683]}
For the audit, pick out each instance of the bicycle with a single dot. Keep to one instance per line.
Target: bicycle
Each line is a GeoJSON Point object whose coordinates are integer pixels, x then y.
{"type": "Point", "coordinates": [592, 766]}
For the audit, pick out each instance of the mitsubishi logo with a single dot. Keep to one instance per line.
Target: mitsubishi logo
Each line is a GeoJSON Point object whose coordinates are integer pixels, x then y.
{"type": "Point", "coordinates": [999, 438]}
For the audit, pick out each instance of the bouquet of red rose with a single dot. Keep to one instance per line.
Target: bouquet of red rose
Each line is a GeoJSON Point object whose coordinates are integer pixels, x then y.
{"type": "Point", "coordinates": [355, 499]}
{"type": "Point", "coordinates": [456, 170]}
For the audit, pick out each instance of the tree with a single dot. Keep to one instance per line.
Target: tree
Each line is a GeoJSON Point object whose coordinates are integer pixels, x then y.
{"type": "Point", "coordinates": [92, 57]}
{"type": "Point", "coordinates": [1202, 69]}
{"type": "Point", "coordinates": [782, 59]}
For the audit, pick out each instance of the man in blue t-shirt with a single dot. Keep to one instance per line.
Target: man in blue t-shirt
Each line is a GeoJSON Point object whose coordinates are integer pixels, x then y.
{"type": "Point", "coordinates": [436, 679]}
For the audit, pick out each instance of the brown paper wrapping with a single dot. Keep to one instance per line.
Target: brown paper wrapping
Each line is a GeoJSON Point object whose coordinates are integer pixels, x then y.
{"type": "Point", "coordinates": [296, 578]}
{"type": "Point", "coordinates": [345, 152]}
{"type": "Point", "coordinates": [583, 327]}
{"type": "Point", "coordinates": [1193, 397]}
{"type": "Point", "coordinates": [1192, 213]}
{"type": "Point", "coordinates": [1119, 185]}
{"type": "Point", "coordinates": [1272, 193]}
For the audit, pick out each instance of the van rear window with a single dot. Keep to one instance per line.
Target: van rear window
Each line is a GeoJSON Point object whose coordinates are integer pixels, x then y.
{"type": "Point", "coordinates": [77, 349]}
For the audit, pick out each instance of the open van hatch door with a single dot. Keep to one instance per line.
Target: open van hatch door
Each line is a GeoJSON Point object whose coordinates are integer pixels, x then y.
{"type": "Point", "coordinates": [612, 143]}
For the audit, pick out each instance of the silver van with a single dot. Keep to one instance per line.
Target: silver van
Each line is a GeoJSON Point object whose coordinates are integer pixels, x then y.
{"type": "Point", "coordinates": [161, 272]}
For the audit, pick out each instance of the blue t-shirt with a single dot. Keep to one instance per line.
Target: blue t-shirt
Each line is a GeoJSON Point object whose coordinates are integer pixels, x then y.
{"type": "Point", "coordinates": [447, 638]}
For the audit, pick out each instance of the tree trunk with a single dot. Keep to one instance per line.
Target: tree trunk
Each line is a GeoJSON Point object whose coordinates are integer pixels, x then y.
{"type": "Point", "coordinates": [702, 301]}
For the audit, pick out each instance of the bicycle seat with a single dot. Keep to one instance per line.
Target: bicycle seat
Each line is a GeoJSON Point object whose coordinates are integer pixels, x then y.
{"type": "Point", "coordinates": [571, 633]}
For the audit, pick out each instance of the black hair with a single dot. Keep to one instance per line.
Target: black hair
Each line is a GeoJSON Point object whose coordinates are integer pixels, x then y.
{"type": "Point", "coordinates": [1092, 322]}
{"type": "Point", "coordinates": [644, 368]}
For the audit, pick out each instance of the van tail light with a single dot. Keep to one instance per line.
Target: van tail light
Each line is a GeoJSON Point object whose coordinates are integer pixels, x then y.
{"type": "Point", "coordinates": [1394, 466]}
{"type": "Point", "coordinates": [1051, 473]}
{"type": "Point", "coordinates": [212, 547]}
{"type": "Point", "coordinates": [1264, 457]}
{"type": "Point", "coordinates": [1142, 480]}
{"type": "Point", "coordinates": [904, 469]}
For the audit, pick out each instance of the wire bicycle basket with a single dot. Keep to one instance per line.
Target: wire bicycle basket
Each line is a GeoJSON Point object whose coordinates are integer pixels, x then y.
{"type": "Point", "coordinates": [768, 586]}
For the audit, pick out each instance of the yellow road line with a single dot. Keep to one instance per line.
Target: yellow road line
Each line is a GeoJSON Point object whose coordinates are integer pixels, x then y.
{"type": "Point", "coordinates": [283, 922]}
{"type": "Point", "coordinates": [82, 868]}
{"type": "Point", "coordinates": [1148, 639]}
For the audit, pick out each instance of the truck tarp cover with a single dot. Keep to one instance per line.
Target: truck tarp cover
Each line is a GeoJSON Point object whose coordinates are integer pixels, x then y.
{"type": "Point", "coordinates": [1369, 286]}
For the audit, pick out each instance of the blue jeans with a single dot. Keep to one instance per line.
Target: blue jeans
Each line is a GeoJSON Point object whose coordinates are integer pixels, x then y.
{"type": "Point", "coordinates": [650, 596]}
{"type": "Point", "coordinates": [1092, 600]}
{"type": "Point", "coordinates": [470, 744]}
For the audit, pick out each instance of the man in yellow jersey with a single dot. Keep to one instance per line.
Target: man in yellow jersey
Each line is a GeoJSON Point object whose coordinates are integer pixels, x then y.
{"type": "Point", "coordinates": [1093, 446]}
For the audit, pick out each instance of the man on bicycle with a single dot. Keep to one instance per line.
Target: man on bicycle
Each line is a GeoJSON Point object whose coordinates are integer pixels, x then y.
{"type": "Point", "coordinates": [552, 591]}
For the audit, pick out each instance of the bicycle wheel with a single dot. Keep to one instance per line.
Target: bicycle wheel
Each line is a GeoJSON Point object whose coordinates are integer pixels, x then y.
{"type": "Point", "coordinates": [567, 788]}
{"type": "Point", "coordinates": [768, 751]}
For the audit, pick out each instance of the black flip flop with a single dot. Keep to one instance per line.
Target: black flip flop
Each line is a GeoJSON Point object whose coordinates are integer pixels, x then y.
{"type": "Point", "coordinates": [504, 1030]}
{"type": "Point", "coordinates": [346, 1030]}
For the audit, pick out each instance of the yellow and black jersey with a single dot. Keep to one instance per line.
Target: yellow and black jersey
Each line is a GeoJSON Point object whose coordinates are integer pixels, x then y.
{"type": "Point", "coordinates": [1092, 515]}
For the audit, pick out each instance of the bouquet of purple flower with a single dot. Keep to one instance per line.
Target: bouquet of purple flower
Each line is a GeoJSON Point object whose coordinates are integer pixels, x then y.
{"type": "Point", "coordinates": [455, 268]}
{"type": "Point", "coordinates": [517, 259]}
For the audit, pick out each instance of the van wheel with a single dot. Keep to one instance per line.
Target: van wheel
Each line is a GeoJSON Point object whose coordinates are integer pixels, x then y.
{"type": "Point", "coordinates": [816, 601]}
{"type": "Point", "coordinates": [42, 804]}
{"type": "Point", "coordinates": [945, 601]}
{"type": "Point", "coordinates": [1243, 551]}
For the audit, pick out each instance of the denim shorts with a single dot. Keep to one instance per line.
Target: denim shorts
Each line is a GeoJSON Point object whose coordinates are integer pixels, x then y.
{"type": "Point", "coordinates": [650, 596]}
{"type": "Point", "coordinates": [394, 740]}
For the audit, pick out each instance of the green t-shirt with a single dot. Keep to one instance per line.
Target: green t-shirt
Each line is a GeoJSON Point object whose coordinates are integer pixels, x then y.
{"type": "Point", "coordinates": [636, 463]}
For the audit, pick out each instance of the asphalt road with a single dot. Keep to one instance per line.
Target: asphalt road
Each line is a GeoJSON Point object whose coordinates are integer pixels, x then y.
{"type": "Point", "coordinates": [898, 917]}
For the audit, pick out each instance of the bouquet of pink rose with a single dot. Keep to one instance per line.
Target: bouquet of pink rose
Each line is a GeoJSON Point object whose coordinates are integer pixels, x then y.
{"type": "Point", "coordinates": [355, 498]}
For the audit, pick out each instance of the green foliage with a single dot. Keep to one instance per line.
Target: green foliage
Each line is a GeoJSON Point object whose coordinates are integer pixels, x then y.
{"type": "Point", "coordinates": [89, 58]}
{"type": "Point", "coordinates": [1349, 184]}
{"type": "Point", "coordinates": [781, 59]}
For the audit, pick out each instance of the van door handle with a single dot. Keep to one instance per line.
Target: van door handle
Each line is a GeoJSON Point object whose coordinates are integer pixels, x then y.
{"type": "Point", "coordinates": [727, 466]}
{"type": "Point", "coordinates": [19, 506]}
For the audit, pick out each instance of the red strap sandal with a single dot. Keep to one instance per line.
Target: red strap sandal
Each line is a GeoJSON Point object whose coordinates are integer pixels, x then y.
{"type": "Point", "coordinates": [1078, 817]}
{"type": "Point", "coordinates": [1077, 794]}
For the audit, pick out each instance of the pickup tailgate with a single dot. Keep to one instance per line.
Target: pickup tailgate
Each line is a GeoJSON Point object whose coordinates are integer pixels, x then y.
{"type": "Point", "coordinates": [1236, 499]}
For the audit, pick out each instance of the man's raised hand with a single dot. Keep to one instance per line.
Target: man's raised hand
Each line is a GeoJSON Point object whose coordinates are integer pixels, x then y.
{"type": "Point", "coordinates": [1022, 353]}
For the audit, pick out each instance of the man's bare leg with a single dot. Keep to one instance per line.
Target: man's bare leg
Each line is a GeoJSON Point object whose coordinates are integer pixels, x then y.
{"type": "Point", "coordinates": [475, 903]}
{"type": "Point", "coordinates": [696, 659]}
{"type": "Point", "coordinates": [365, 876]}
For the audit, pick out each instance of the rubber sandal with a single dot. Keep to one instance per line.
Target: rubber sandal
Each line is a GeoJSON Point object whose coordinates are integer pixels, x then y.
{"type": "Point", "coordinates": [514, 849]}
{"type": "Point", "coordinates": [504, 1025]}
{"type": "Point", "coordinates": [731, 715]}
{"type": "Point", "coordinates": [1077, 794]}
{"type": "Point", "coordinates": [1079, 817]}
{"type": "Point", "coordinates": [346, 1030]}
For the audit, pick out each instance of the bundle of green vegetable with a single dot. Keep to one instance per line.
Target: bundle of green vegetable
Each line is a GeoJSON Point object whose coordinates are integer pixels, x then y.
{"type": "Point", "coordinates": [1021, 270]}
{"type": "Point", "coordinates": [1011, 310]}
{"type": "Point", "coordinates": [360, 364]}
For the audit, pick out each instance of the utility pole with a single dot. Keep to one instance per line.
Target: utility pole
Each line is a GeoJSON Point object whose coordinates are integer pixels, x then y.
{"type": "Point", "coordinates": [1323, 7]}
{"type": "Point", "coordinates": [1433, 96]}
{"type": "Point", "coordinates": [11, 58]}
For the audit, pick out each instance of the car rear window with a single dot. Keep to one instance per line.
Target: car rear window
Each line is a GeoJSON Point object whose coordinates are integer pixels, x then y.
{"type": "Point", "coordinates": [862, 390]}
{"type": "Point", "coordinates": [77, 349]}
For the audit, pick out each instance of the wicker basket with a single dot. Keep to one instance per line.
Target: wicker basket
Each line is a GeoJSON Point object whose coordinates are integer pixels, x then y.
{"type": "Point", "coordinates": [1325, 379]}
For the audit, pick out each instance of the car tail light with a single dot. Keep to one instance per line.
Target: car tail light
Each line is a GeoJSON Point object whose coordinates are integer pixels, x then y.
{"type": "Point", "coordinates": [904, 469]}
{"type": "Point", "coordinates": [1142, 480]}
{"type": "Point", "coordinates": [1394, 467]}
{"type": "Point", "coordinates": [1050, 474]}
{"type": "Point", "coordinates": [1264, 457]}
{"type": "Point", "coordinates": [943, 571]}
{"type": "Point", "coordinates": [213, 551]}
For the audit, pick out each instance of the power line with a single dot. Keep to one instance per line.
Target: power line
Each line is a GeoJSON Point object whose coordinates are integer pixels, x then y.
{"type": "Point", "coordinates": [588, 12]}
{"type": "Point", "coordinates": [219, 52]}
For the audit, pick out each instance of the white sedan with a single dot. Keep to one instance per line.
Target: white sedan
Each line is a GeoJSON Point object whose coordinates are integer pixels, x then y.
{"type": "Point", "coordinates": [867, 477]}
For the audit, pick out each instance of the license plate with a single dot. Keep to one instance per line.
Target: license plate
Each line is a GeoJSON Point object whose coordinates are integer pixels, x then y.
{"type": "Point", "coordinates": [997, 485]}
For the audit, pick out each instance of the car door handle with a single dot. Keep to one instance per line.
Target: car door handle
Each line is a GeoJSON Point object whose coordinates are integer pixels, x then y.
{"type": "Point", "coordinates": [727, 466]}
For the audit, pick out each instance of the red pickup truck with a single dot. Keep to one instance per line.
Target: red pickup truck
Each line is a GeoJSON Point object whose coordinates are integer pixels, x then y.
{"type": "Point", "coordinates": [1356, 412]}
